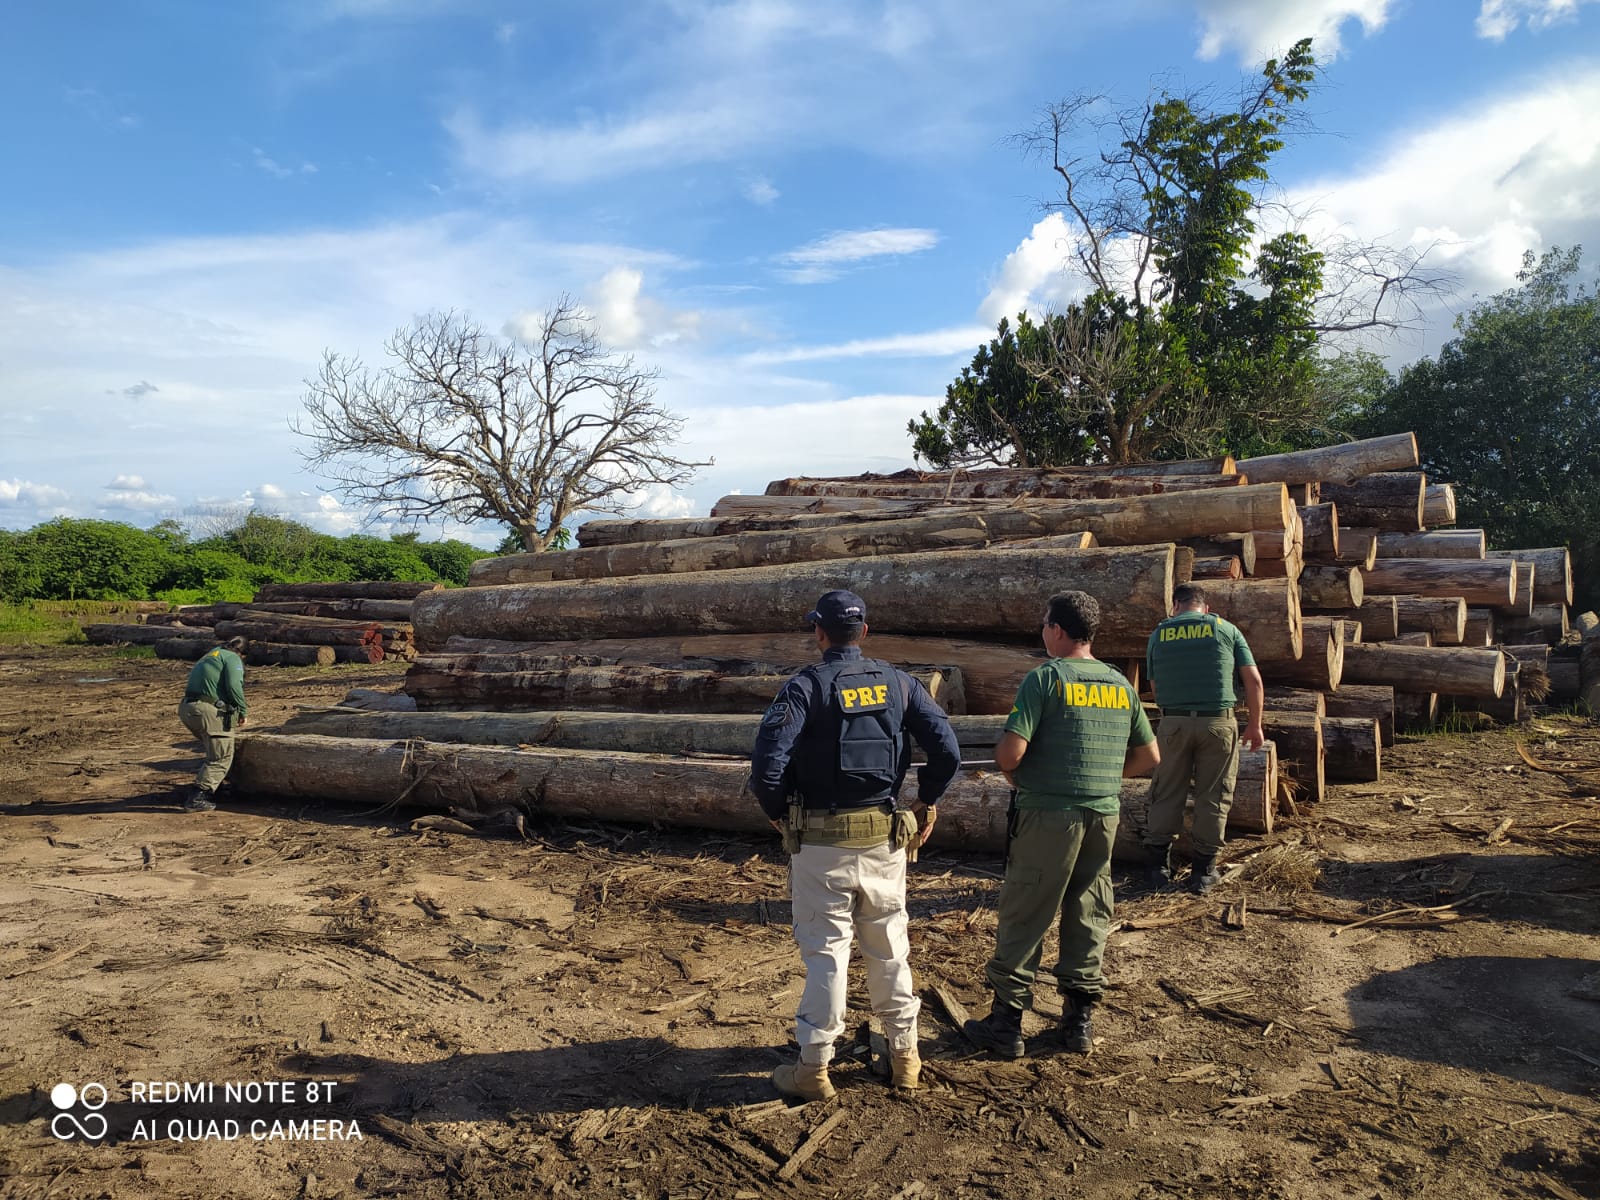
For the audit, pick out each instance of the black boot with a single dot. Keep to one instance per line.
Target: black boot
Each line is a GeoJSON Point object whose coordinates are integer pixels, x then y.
{"type": "Point", "coordinates": [199, 800]}
{"type": "Point", "coordinates": [1157, 867]}
{"type": "Point", "coordinates": [1000, 1032]}
{"type": "Point", "coordinates": [1203, 875]}
{"type": "Point", "coordinates": [1077, 1028]}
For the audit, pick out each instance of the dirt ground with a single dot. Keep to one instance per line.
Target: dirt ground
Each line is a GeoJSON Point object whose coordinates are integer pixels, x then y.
{"type": "Point", "coordinates": [595, 1011]}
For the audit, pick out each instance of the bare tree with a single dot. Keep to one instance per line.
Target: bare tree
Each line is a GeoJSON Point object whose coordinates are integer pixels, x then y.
{"type": "Point", "coordinates": [467, 425]}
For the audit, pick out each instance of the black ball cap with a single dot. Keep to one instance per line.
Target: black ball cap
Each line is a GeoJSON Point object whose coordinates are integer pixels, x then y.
{"type": "Point", "coordinates": [837, 609]}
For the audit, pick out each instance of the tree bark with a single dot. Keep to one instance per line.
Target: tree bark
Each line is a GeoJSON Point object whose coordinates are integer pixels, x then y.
{"type": "Point", "coordinates": [1566, 680]}
{"type": "Point", "coordinates": [1378, 617]}
{"type": "Point", "coordinates": [351, 634]}
{"type": "Point", "coordinates": [1522, 600]}
{"type": "Point", "coordinates": [1384, 501]}
{"type": "Point", "coordinates": [1353, 749]}
{"type": "Point", "coordinates": [1331, 587]}
{"type": "Point", "coordinates": [1234, 545]}
{"type": "Point", "coordinates": [1021, 479]}
{"type": "Point", "coordinates": [1487, 582]}
{"type": "Point", "coordinates": [279, 654]}
{"type": "Point", "coordinates": [184, 649]}
{"type": "Point", "coordinates": [1319, 538]}
{"type": "Point", "coordinates": [1479, 628]}
{"type": "Point", "coordinates": [1443, 616]}
{"type": "Point", "coordinates": [1041, 483]}
{"type": "Point", "coordinates": [1441, 543]}
{"type": "Point", "coordinates": [997, 591]}
{"type": "Point", "coordinates": [1415, 712]}
{"type": "Point", "coordinates": [1301, 756]}
{"type": "Point", "coordinates": [1547, 623]}
{"type": "Point", "coordinates": [947, 531]}
{"type": "Point", "coordinates": [1358, 546]}
{"type": "Point", "coordinates": [343, 610]}
{"type": "Point", "coordinates": [1417, 637]}
{"type": "Point", "coordinates": [1292, 699]}
{"type": "Point", "coordinates": [1439, 505]}
{"type": "Point", "coordinates": [1267, 612]}
{"type": "Point", "coordinates": [1215, 568]}
{"type": "Point", "coordinates": [364, 590]}
{"type": "Point", "coordinates": [1373, 702]}
{"type": "Point", "coordinates": [110, 634]}
{"type": "Point", "coordinates": [1337, 464]}
{"type": "Point", "coordinates": [518, 681]}
{"type": "Point", "coordinates": [1451, 670]}
{"type": "Point", "coordinates": [1552, 580]}
{"type": "Point", "coordinates": [373, 652]}
{"type": "Point", "coordinates": [1320, 666]}
{"type": "Point", "coordinates": [991, 671]}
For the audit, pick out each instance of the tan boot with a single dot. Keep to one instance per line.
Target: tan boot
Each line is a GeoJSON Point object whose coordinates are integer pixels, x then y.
{"type": "Point", "coordinates": [806, 1082]}
{"type": "Point", "coordinates": [905, 1069]}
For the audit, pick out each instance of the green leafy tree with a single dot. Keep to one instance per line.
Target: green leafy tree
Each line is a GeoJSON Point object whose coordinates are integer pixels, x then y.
{"type": "Point", "coordinates": [1509, 412]}
{"type": "Point", "coordinates": [1200, 331]}
{"type": "Point", "coordinates": [73, 559]}
{"type": "Point", "coordinates": [450, 560]}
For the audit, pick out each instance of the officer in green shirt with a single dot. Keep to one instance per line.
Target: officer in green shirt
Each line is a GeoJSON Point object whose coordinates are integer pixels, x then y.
{"type": "Point", "coordinates": [213, 707]}
{"type": "Point", "coordinates": [1192, 658]}
{"type": "Point", "coordinates": [1075, 731]}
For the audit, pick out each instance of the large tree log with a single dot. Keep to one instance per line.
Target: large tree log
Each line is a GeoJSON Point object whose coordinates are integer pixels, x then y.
{"type": "Point", "coordinates": [278, 654]}
{"type": "Point", "coordinates": [994, 591]}
{"type": "Point", "coordinates": [1378, 618]}
{"type": "Point", "coordinates": [1042, 484]}
{"type": "Point", "coordinates": [1384, 501]}
{"type": "Point", "coordinates": [364, 590]}
{"type": "Point", "coordinates": [345, 634]}
{"type": "Point", "coordinates": [1267, 612]}
{"type": "Point", "coordinates": [1415, 712]}
{"type": "Point", "coordinates": [1508, 708]}
{"type": "Point", "coordinates": [1522, 601]}
{"type": "Point", "coordinates": [1547, 623]}
{"type": "Point", "coordinates": [1489, 581]}
{"type": "Point", "coordinates": [991, 671]}
{"type": "Point", "coordinates": [1352, 749]}
{"type": "Point", "coordinates": [1291, 699]}
{"type": "Point", "coordinates": [1552, 581]}
{"type": "Point", "coordinates": [997, 481]}
{"type": "Point", "coordinates": [372, 652]}
{"type": "Point", "coordinates": [343, 610]}
{"type": "Point", "coordinates": [1331, 587]}
{"type": "Point", "coordinates": [1589, 670]}
{"type": "Point", "coordinates": [110, 634]}
{"type": "Point", "coordinates": [1566, 680]}
{"type": "Point", "coordinates": [1358, 547]}
{"type": "Point", "coordinates": [1067, 488]}
{"type": "Point", "coordinates": [1443, 616]}
{"type": "Point", "coordinates": [1234, 545]}
{"type": "Point", "coordinates": [1255, 800]}
{"type": "Point", "coordinates": [184, 649]}
{"type": "Point", "coordinates": [1416, 637]}
{"type": "Point", "coordinates": [1439, 505]}
{"type": "Point", "coordinates": [524, 681]}
{"type": "Point", "coordinates": [947, 531]}
{"type": "Point", "coordinates": [1479, 629]}
{"type": "Point", "coordinates": [1319, 536]}
{"type": "Point", "coordinates": [1301, 756]}
{"type": "Point", "coordinates": [1320, 666]}
{"type": "Point", "coordinates": [1373, 702]}
{"type": "Point", "coordinates": [1214, 568]}
{"type": "Point", "coordinates": [1442, 543]}
{"type": "Point", "coordinates": [1451, 670]}
{"type": "Point", "coordinates": [634, 733]}
{"type": "Point", "coordinates": [1339, 464]}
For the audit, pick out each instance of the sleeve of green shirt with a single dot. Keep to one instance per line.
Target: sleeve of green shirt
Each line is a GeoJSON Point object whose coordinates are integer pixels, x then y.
{"type": "Point", "coordinates": [1141, 734]}
{"type": "Point", "coordinates": [232, 683]}
{"type": "Point", "coordinates": [1241, 649]}
{"type": "Point", "coordinates": [1028, 707]}
{"type": "Point", "coordinates": [1150, 654]}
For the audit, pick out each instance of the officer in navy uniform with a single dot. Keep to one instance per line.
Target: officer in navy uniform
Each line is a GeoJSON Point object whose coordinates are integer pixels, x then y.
{"type": "Point", "coordinates": [827, 766]}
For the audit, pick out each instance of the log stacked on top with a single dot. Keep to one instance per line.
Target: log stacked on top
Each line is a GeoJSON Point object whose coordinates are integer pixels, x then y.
{"type": "Point", "coordinates": [1361, 611]}
{"type": "Point", "coordinates": [300, 624]}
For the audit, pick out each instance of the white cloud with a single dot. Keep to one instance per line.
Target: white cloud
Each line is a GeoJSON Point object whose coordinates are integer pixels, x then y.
{"type": "Point", "coordinates": [25, 492]}
{"type": "Point", "coordinates": [1259, 29]}
{"type": "Point", "coordinates": [761, 191]}
{"type": "Point", "coordinates": [819, 261]}
{"type": "Point", "coordinates": [127, 483]}
{"type": "Point", "coordinates": [1035, 277]}
{"type": "Point", "coordinates": [1498, 19]}
{"type": "Point", "coordinates": [136, 500]}
{"type": "Point", "coordinates": [272, 167]}
{"type": "Point", "coordinates": [625, 316]}
{"type": "Point", "coordinates": [937, 344]}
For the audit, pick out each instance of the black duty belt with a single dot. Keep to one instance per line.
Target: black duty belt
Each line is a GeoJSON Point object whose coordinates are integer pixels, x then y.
{"type": "Point", "coordinates": [1194, 712]}
{"type": "Point", "coordinates": [885, 806]}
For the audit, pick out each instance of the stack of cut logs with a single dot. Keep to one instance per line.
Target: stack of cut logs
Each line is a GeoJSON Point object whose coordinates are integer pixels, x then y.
{"type": "Point", "coordinates": [624, 679]}
{"type": "Point", "coordinates": [299, 624]}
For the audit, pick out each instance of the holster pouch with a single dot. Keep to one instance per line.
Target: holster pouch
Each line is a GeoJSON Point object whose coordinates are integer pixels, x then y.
{"type": "Point", "coordinates": [903, 832]}
{"type": "Point", "coordinates": [793, 826]}
{"type": "Point", "coordinates": [227, 719]}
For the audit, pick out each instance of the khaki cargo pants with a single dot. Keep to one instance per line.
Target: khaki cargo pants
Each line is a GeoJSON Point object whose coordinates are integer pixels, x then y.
{"type": "Point", "coordinates": [1058, 868]}
{"type": "Point", "coordinates": [839, 890]}
{"type": "Point", "coordinates": [205, 720]}
{"type": "Point", "coordinates": [1204, 749]}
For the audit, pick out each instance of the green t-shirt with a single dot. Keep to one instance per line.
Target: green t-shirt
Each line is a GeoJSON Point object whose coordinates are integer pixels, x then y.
{"type": "Point", "coordinates": [1192, 659]}
{"type": "Point", "coordinates": [1080, 717]}
{"type": "Point", "coordinates": [218, 676]}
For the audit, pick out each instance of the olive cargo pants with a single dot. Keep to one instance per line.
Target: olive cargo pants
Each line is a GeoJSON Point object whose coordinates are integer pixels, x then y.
{"type": "Point", "coordinates": [205, 720]}
{"type": "Point", "coordinates": [1058, 865]}
{"type": "Point", "coordinates": [1206, 750]}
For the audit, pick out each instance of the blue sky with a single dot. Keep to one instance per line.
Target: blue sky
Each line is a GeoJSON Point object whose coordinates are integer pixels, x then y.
{"type": "Point", "coordinates": [807, 215]}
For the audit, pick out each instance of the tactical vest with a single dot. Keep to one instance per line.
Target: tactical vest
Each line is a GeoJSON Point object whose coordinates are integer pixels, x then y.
{"type": "Point", "coordinates": [852, 750]}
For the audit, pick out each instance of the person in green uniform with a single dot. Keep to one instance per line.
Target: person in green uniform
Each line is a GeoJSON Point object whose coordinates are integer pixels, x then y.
{"type": "Point", "coordinates": [1192, 658]}
{"type": "Point", "coordinates": [213, 707]}
{"type": "Point", "coordinates": [1076, 729]}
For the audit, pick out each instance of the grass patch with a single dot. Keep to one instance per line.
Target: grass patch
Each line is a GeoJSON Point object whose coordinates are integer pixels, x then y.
{"type": "Point", "coordinates": [134, 652]}
{"type": "Point", "coordinates": [32, 623]}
